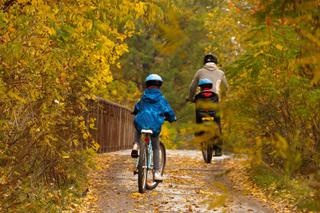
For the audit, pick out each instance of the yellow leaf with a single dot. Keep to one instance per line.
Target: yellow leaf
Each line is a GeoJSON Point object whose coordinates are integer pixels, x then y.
{"type": "Point", "coordinates": [279, 47]}
{"type": "Point", "coordinates": [136, 195]}
{"type": "Point", "coordinates": [114, 92]}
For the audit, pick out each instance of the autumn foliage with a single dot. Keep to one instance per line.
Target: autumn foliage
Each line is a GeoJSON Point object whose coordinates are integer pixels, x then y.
{"type": "Point", "coordinates": [55, 55]}
{"type": "Point", "coordinates": [273, 109]}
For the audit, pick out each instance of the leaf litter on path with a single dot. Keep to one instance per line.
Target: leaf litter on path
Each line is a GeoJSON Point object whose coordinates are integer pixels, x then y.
{"type": "Point", "coordinates": [191, 186]}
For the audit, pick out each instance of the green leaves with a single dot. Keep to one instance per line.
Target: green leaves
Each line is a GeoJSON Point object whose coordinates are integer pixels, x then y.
{"type": "Point", "coordinates": [274, 95]}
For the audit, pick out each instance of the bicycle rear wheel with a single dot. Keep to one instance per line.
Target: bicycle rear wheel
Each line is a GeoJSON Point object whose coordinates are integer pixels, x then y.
{"type": "Point", "coordinates": [151, 183]}
{"type": "Point", "coordinates": [142, 168]}
{"type": "Point", "coordinates": [207, 151]}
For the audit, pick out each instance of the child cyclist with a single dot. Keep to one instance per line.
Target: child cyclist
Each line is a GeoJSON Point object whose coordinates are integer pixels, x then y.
{"type": "Point", "coordinates": [150, 113]}
{"type": "Point", "coordinates": [204, 107]}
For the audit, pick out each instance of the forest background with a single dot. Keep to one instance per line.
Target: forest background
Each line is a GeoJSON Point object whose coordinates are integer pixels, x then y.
{"type": "Point", "coordinates": [55, 55]}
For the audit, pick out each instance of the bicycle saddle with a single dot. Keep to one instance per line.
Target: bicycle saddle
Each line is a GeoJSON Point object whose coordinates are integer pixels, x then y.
{"type": "Point", "coordinates": [146, 131]}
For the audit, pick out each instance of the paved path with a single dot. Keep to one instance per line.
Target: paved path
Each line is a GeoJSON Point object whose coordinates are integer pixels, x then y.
{"type": "Point", "coordinates": [191, 186]}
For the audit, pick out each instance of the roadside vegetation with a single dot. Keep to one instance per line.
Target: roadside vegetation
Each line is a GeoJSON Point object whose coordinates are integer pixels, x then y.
{"type": "Point", "coordinates": [55, 55]}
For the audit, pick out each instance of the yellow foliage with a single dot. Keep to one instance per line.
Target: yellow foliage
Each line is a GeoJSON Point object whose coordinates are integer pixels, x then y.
{"type": "Point", "coordinates": [55, 55]}
{"type": "Point", "coordinates": [168, 135]}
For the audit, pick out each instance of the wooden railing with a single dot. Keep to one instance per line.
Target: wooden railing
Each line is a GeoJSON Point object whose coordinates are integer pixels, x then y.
{"type": "Point", "coordinates": [114, 128]}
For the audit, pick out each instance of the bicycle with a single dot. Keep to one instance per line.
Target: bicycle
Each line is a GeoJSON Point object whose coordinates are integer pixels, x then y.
{"type": "Point", "coordinates": [144, 165]}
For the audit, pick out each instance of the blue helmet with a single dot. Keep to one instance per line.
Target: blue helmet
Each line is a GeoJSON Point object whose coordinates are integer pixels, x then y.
{"type": "Point", "coordinates": [153, 80]}
{"type": "Point", "coordinates": [205, 82]}
{"type": "Point", "coordinates": [153, 77]}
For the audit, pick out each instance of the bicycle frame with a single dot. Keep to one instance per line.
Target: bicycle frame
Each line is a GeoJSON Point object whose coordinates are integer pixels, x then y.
{"type": "Point", "coordinates": [148, 141]}
{"type": "Point", "coordinates": [150, 152]}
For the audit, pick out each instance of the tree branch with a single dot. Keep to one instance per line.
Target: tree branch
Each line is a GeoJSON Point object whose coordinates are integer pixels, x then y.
{"type": "Point", "coordinates": [7, 5]}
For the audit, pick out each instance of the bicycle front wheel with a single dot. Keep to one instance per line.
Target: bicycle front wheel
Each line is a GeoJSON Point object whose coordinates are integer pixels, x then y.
{"type": "Point", "coordinates": [151, 183]}
{"type": "Point", "coordinates": [142, 168]}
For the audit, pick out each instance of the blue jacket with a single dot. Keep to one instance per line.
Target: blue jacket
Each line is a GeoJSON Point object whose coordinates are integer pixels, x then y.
{"type": "Point", "coordinates": [151, 111]}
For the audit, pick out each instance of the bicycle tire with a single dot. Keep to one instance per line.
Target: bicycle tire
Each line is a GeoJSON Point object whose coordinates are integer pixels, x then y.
{"type": "Point", "coordinates": [207, 151]}
{"type": "Point", "coordinates": [163, 161]}
{"type": "Point", "coordinates": [142, 168]}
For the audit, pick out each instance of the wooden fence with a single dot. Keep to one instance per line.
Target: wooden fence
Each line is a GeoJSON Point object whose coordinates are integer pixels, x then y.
{"type": "Point", "coordinates": [114, 128]}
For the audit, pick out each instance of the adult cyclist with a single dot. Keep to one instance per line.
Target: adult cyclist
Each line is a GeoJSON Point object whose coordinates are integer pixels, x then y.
{"type": "Point", "coordinates": [209, 71]}
{"type": "Point", "coordinates": [212, 73]}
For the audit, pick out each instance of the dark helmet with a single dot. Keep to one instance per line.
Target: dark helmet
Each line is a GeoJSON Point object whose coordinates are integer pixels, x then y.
{"type": "Point", "coordinates": [210, 58]}
{"type": "Point", "coordinates": [205, 83]}
{"type": "Point", "coordinates": [153, 80]}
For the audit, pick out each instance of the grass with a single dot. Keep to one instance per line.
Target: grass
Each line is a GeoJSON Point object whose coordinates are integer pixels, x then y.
{"type": "Point", "coordinates": [295, 190]}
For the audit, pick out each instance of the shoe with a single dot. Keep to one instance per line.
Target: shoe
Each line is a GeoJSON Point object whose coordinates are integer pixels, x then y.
{"type": "Point", "coordinates": [158, 176]}
{"type": "Point", "coordinates": [134, 152]}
